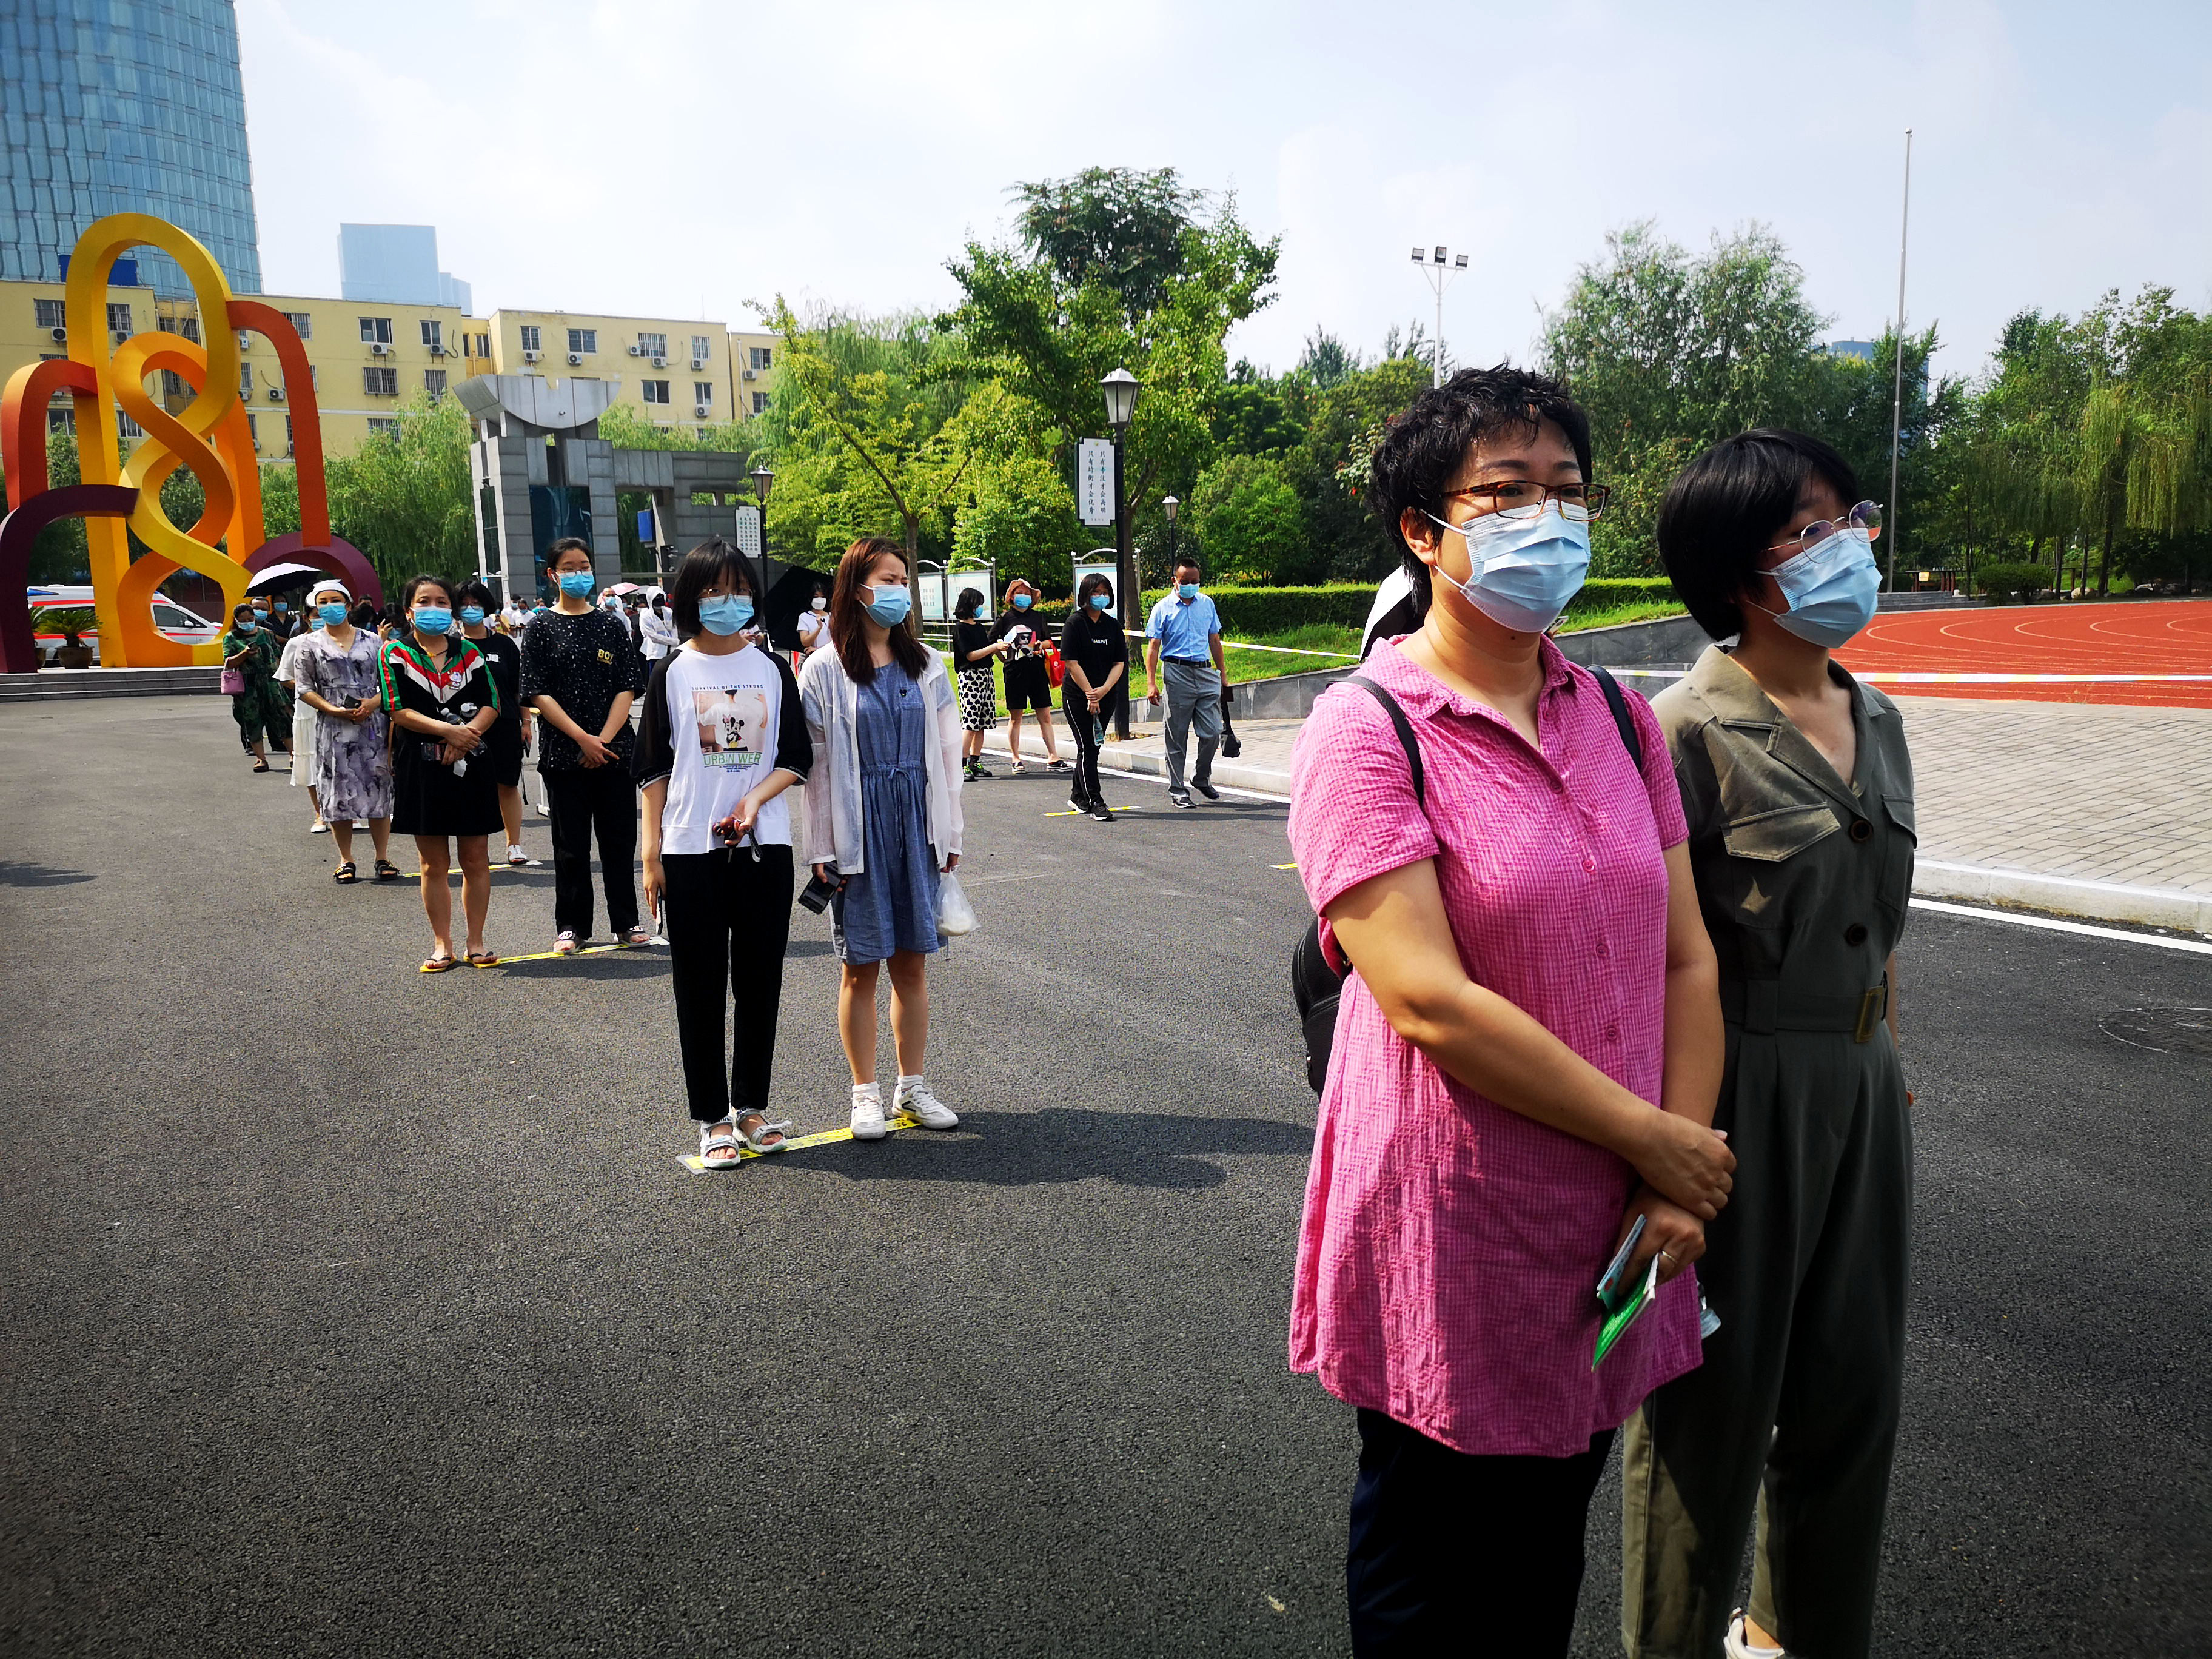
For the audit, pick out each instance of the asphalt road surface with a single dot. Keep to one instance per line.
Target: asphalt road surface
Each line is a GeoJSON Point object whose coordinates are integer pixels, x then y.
{"type": "Point", "coordinates": [349, 1310]}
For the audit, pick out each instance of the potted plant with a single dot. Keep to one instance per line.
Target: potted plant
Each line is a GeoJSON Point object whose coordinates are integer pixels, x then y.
{"type": "Point", "coordinates": [69, 623]}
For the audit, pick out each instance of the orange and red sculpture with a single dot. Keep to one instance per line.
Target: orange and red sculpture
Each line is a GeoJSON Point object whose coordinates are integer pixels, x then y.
{"type": "Point", "coordinates": [120, 498]}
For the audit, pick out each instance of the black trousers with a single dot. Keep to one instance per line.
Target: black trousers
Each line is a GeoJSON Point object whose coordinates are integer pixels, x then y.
{"type": "Point", "coordinates": [592, 800]}
{"type": "Point", "coordinates": [1454, 1554]}
{"type": "Point", "coordinates": [1086, 747]}
{"type": "Point", "coordinates": [727, 922]}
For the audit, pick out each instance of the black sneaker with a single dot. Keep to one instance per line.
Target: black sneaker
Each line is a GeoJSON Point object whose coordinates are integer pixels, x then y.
{"type": "Point", "coordinates": [1206, 788]}
{"type": "Point", "coordinates": [1079, 802]}
{"type": "Point", "coordinates": [1182, 799]}
{"type": "Point", "coordinates": [1102, 812]}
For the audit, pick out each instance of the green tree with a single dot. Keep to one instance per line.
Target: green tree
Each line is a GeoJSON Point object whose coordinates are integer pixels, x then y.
{"type": "Point", "coordinates": [1248, 519]}
{"type": "Point", "coordinates": [404, 496]}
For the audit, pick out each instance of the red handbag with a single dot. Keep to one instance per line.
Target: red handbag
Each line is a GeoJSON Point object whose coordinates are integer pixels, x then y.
{"type": "Point", "coordinates": [1053, 664]}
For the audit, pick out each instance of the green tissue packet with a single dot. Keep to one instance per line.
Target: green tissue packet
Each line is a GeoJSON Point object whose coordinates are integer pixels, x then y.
{"type": "Point", "coordinates": [1618, 1322]}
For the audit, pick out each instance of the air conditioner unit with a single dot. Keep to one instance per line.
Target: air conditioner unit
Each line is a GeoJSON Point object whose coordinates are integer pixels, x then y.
{"type": "Point", "coordinates": [60, 335]}
{"type": "Point", "coordinates": [378, 349]}
{"type": "Point", "coordinates": [437, 351]}
{"type": "Point", "coordinates": [529, 356]}
{"type": "Point", "coordinates": [245, 341]}
{"type": "Point", "coordinates": [660, 363]}
{"type": "Point", "coordinates": [703, 411]}
{"type": "Point", "coordinates": [698, 363]}
{"type": "Point", "coordinates": [276, 394]}
{"type": "Point", "coordinates": [575, 357]}
{"type": "Point", "coordinates": [123, 337]}
{"type": "Point", "coordinates": [637, 351]}
{"type": "Point", "coordinates": [752, 375]}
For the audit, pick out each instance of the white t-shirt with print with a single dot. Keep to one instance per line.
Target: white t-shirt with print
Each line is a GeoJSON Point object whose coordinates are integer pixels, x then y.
{"type": "Point", "coordinates": [723, 712]}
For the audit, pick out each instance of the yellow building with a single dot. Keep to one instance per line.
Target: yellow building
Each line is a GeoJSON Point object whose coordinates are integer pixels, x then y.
{"type": "Point", "coordinates": [369, 356]}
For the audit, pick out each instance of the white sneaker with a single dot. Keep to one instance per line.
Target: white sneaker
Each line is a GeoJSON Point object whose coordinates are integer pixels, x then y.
{"type": "Point", "coordinates": [868, 1112]}
{"type": "Point", "coordinates": [1739, 1646]}
{"type": "Point", "coordinates": [516, 856]}
{"type": "Point", "coordinates": [913, 1096]}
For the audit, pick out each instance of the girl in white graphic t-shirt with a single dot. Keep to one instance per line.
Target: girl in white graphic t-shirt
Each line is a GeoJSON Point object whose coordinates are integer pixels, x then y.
{"type": "Point", "coordinates": [721, 737]}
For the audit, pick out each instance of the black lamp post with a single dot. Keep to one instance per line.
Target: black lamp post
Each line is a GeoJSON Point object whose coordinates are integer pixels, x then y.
{"type": "Point", "coordinates": [1168, 505]}
{"type": "Point", "coordinates": [1120, 389]}
{"type": "Point", "coordinates": [763, 478]}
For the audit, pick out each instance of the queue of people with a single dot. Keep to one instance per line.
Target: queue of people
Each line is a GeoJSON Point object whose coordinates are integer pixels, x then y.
{"type": "Point", "coordinates": [1619, 975]}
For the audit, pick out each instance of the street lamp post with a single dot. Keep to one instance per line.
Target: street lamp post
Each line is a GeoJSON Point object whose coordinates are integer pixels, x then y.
{"type": "Point", "coordinates": [1440, 277]}
{"type": "Point", "coordinates": [1168, 505]}
{"type": "Point", "coordinates": [1120, 389]}
{"type": "Point", "coordinates": [763, 478]}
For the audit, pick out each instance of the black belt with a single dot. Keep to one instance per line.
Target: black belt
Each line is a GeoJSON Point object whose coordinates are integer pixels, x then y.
{"type": "Point", "coordinates": [1762, 1006]}
{"type": "Point", "coordinates": [1191, 662]}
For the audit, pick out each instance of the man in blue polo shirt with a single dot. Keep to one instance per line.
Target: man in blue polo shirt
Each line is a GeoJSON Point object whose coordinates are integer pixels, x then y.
{"type": "Point", "coordinates": [1185, 631]}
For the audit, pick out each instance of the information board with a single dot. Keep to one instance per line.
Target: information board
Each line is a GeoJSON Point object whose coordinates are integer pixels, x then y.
{"type": "Point", "coordinates": [1094, 481]}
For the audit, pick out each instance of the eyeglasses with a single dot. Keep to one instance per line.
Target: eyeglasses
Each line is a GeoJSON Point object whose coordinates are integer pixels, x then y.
{"type": "Point", "coordinates": [1866, 516]}
{"type": "Point", "coordinates": [1518, 498]}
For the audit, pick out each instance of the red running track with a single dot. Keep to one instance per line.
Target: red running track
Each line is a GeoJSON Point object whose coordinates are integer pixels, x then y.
{"type": "Point", "coordinates": [2135, 636]}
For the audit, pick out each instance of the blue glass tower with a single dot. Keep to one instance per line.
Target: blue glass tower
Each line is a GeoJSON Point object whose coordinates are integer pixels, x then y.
{"type": "Point", "coordinates": [124, 106]}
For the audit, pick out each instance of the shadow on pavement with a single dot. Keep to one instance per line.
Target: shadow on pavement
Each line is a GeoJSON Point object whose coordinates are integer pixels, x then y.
{"type": "Point", "coordinates": [38, 875]}
{"type": "Point", "coordinates": [612, 965]}
{"type": "Point", "coordinates": [1062, 1144]}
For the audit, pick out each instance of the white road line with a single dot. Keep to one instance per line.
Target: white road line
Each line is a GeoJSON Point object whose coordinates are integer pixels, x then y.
{"type": "Point", "coordinates": [2058, 927]}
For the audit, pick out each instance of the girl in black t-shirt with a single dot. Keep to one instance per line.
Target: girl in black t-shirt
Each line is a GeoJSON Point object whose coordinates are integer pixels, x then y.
{"type": "Point", "coordinates": [1096, 655]}
{"type": "Point", "coordinates": [1029, 681]}
{"type": "Point", "coordinates": [973, 647]}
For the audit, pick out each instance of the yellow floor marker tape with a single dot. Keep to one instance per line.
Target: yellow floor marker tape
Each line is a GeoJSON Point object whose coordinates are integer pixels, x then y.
{"type": "Point", "coordinates": [1283, 866]}
{"type": "Point", "coordinates": [555, 956]}
{"type": "Point", "coordinates": [697, 1165]}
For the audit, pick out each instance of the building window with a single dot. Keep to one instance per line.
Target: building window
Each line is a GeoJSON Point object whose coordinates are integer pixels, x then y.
{"type": "Point", "coordinates": [761, 357]}
{"type": "Point", "coordinates": [53, 313]}
{"type": "Point", "coordinates": [653, 345]}
{"type": "Point", "coordinates": [172, 384]}
{"type": "Point", "coordinates": [127, 428]}
{"type": "Point", "coordinates": [434, 334]}
{"type": "Point", "coordinates": [433, 382]}
{"type": "Point", "coordinates": [302, 324]}
{"type": "Point", "coordinates": [702, 392]}
{"type": "Point", "coordinates": [376, 330]}
{"type": "Point", "coordinates": [484, 345]}
{"type": "Point", "coordinates": [246, 379]}
{"type": "Point", "coordinates": [654, 392]}
{"type": "Point", "coordinates": [584, 340]}
{"type": "Point", "coordinates": [61, 420]}
{"type": "Point", "coordinates": [254, 429]}
{"type": "Point", "coordinates": [381, 382]}
{"type": "Point", "coordinates": [189, 327]}
{"type": "Point", "coordinates": [530, 338]}
{"type": "Point", "coordinates": [383, 428]}
{"type": "Point", "coordinates": [118, 318]}
{"type": "Point", "coordinates": [699, 348]}
{"type": "Point", "coordinates": [760, 403]}
{"type": "Point", "coordinates": [288, 434]}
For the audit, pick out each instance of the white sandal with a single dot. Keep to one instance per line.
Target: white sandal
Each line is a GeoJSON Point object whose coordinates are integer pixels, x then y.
{"type": "Point", "coordinates": [721, 1138]}
{"type": "Point", "coordinates": [755, 1138]}
{"type": "Point", "coordinates": [1018, 768]}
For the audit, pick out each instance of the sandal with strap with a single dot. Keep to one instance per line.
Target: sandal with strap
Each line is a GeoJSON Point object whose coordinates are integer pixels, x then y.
{"type": "Point", "coordinates": [386, 870]}
{"type": "Point", "coordinates": [718, 1145]}
{"type": "Point", "coordinates": [1018, 768]}
{"type": "Point", "coordinates": [440, 964]}
{"type": "Point", "coordinates": [566, 944]}
{"type": "Point", "coordinates": [758, 1137]}
{"type": "Point", "coordinates": [484, 958]}
{"type": "Point", "coordinates": [345, 874]}
{"type": "Point", "coordinates": [261, 766]}
{"type": "Point", "coordinates": [636, 936]}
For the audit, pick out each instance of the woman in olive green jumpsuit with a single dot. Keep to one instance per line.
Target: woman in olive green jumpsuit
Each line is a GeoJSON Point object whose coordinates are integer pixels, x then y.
{"type": "Point", "coordinates": [1798, 789]}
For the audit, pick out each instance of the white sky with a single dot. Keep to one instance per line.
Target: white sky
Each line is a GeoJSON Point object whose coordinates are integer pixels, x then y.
{"type": "Point", "coordinates": [671, 157]}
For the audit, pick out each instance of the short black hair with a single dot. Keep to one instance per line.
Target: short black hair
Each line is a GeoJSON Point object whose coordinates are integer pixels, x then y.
{"type": "Point", "coordinates": [967, 604]}
{"type": "Point", "coordinates": [1726, 507]}
{"type": "Point", "coordinates": [1184, 562]}
{"type": "Point", "coordinates": [1097, 582]}
{"type": "Point", "coordinates": [568, 545]}
{"type": "Point", "coordinates": [1423, 447]}
{"type": "Point", "coordinates": [474, 592]}
{"type": "Point", "coordinates": [702, 568]}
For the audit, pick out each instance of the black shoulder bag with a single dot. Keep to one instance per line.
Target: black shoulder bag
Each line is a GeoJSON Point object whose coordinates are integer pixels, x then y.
{"type": "Point", "coordinates": [1318, 989]}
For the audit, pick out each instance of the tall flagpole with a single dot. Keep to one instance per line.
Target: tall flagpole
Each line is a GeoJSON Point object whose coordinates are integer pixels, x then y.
{"type": "Point", "coordinates": [1890, 514]}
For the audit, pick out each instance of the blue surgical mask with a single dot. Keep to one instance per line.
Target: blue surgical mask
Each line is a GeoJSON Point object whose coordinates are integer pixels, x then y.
{"type": "Point", "coordinates": [434, 619]}
{"type": "Point", "coordinates": [888, 604]}
{"type": "Point", "coordinates": [1831, 587]}
{"type": "Point", "coordinates": [1189, 590]}
{"type": "Point", "coordinates": [578, 584]}
{"type": "Point", "coordinates": [1098, 601]}
{"type": "Point", "coordinates": [1524, 571]}
{"type": "Point", "coordinates": [1021, 602]}
{"type": "Point", "coordinates": [260, 610]}
{"type": "Point", "coordinates": [281, 607]}
{"type": "Point", "coordinates": [245, 624]}
{"type": "Point", "coordinates": [473, 614]}
{"type": "Point", "coordinates": [725, 613]}
{"type": "Point", "coordinates": [333, 614]}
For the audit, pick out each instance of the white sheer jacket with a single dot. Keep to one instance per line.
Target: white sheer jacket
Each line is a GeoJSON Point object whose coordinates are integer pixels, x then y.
{"type": "Point", "coordinates": [833, 790]}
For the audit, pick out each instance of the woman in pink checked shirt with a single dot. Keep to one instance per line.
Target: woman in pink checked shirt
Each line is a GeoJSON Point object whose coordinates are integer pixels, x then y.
{"type": "Point", "coordinates": [1526, 1056]}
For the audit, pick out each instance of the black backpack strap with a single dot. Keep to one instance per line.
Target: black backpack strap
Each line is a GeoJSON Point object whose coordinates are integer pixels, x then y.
{"type": "Point", "coordinates": [1632, 739]}
{"type": "Point", "coordinates": [1404, 727]}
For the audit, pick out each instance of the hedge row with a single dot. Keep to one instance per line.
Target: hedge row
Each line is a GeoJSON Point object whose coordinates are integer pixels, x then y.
{"type": "Point", "coordinates": [1249, 612]}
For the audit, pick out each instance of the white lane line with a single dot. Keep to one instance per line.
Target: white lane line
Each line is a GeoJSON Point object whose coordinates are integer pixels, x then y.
{"type": "Point", "coordinates": [2058, 927]}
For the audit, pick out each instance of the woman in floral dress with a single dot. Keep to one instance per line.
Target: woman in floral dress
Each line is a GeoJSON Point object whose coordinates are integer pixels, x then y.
{"type": "Point", "coordinates": [340, 678]}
